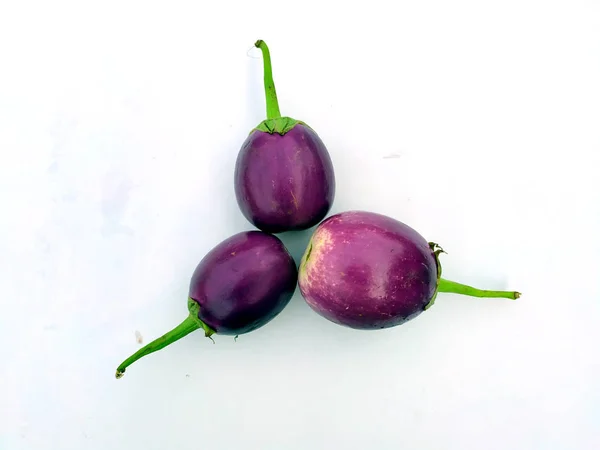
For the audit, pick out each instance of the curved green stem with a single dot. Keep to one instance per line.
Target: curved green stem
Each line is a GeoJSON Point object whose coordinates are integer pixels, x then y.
{"type": "Point", "coordinates": [463, 289]}
{"type": "Point", "coordinates": [183, 329]}
{"type": "Point", "coordinates": [271, 95]}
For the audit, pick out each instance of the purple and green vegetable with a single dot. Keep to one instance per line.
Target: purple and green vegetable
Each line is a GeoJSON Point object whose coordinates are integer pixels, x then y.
{"type": "Point", "coordinates": [284, 178]}
{"type": "Point", "coordinates": [368, 271]}
{"type": "Point", "coordinates": [361, 269]}
{"type": "Point", "coordinates": [239, 286]}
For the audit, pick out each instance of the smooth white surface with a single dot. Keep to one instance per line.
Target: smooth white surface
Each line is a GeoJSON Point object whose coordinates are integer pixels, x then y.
{"type": "Point", "coordinates": [477, 123]}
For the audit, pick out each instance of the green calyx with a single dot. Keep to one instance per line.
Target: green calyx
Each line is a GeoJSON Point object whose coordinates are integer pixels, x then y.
{"type": "Point", "coordinates": [191, 323]}
{"type": "Point", "coordinates": [436, 249]}
{"type": "Point", "coordinates": [274, 123]}
{"type": "Point", "coordinates": [194, 309]}
{"type": "Point", "coordinates": [462, 289]}
{"type": "Point", "coordinates": [280, 125]}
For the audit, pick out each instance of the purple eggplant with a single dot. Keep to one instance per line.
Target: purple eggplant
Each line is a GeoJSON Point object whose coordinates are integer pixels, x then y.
{"type": "Point", "coordinates": [284, 178]}
{"type": "Point", "coordinates": [239, 286]}
{"type": "Point", "coordinates": [368, 271]}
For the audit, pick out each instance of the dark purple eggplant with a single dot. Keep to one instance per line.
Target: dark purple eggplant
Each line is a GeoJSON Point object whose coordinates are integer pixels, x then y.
{"type": "Point", "coordinates": [238, 287]}
{"type": "Point", "coordinates": [284, 178]}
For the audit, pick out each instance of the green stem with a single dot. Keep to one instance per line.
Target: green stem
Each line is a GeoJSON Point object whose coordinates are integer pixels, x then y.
{"type": "Point", "coordinates": [463, 289]}
{"type": "Point", "coordinates": [183, 329]}
{"type": "Point", "coordinates": [271, 95]}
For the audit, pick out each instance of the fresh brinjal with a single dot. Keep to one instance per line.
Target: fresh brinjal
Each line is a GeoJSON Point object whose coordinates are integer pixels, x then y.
{"type": "Point", "coordinates": [239, 286]}
{"type": "Point", "coordinates": [284, 178]}
{"type": "Point", "coordinates": [369, 271]}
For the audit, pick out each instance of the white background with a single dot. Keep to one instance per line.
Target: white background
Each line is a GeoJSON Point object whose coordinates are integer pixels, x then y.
{"type": "Point", "coordinates": [477, 123]}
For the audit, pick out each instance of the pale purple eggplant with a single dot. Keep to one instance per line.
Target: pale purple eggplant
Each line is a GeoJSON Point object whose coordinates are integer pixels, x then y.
{"type": "Point", "coordinates": [369, 271]}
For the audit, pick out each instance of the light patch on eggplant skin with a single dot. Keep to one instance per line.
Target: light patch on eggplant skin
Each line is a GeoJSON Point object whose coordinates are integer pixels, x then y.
{"type": "Point", "coordinates": [379, 284]}
{"type": "Point", "coordinates": [318, 245]}
{"type": "Point", "coordinates": [379, 290]}
{"type": "Point", "coordinates": [294, 199]}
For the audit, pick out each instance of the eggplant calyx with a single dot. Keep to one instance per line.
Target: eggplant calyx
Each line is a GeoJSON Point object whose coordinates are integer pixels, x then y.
{"type": "Point", "coordinates": [280, 125]}
{"type": "Point", "coordinates": [436, 249]}
{"type": "Point", "coordinates": [194, 309]}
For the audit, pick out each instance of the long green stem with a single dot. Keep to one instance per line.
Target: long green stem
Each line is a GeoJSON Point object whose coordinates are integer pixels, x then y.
{"type": "Point", "coordinates": [181, 330]}
{"type": "Point", "coordinates": [271, 95]}
{"type": "Point", "coordinates": [457, 288]}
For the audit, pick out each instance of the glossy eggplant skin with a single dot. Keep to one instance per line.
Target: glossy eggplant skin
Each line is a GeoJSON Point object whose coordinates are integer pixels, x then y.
{"type": "Point", "coordinates": [243, 282]}
{"type": "Point", "coordinates": [367, 271]}
{"type": "Point", "coordinates": [284, 182]}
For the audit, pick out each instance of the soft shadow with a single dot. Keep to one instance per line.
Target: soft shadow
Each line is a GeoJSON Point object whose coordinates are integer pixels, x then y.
{"type": "Point", "coordinates": [296, 242]}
